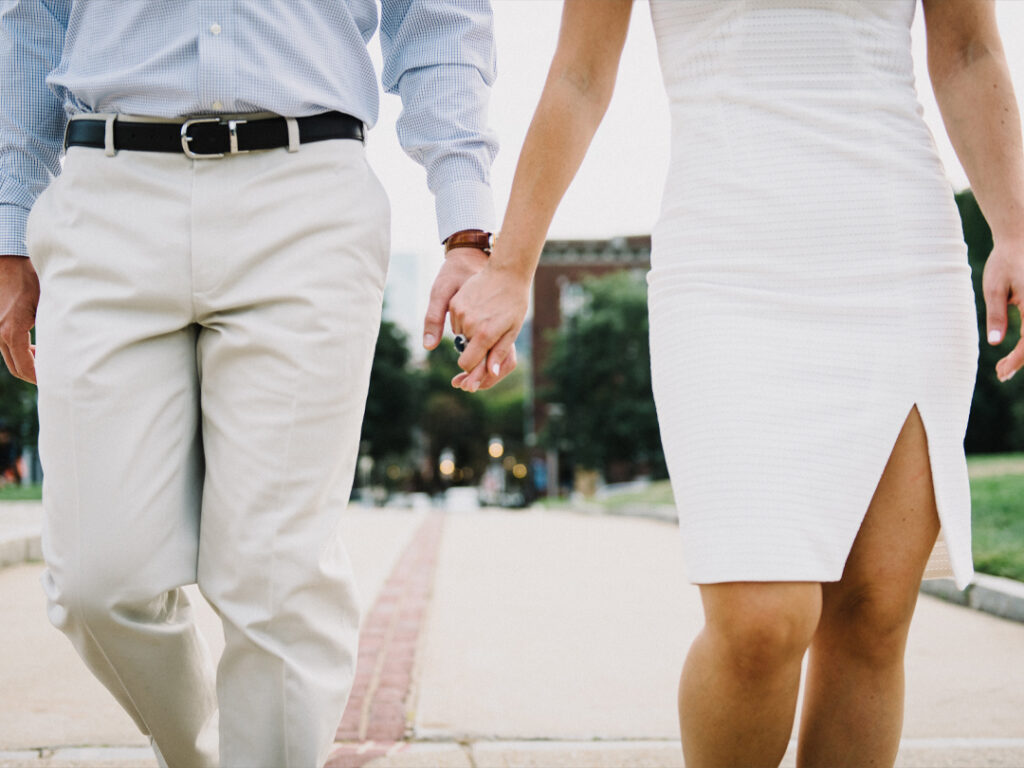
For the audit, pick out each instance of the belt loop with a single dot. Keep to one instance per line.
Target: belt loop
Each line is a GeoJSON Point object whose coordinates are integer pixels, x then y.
{"type": "Point", "coordinates": [293, 134]}
{"type": "Point", "coordinates": [108, 135]}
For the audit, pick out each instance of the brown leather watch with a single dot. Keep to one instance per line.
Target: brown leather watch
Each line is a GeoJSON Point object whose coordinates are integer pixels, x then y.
{"type": "Point", "coordinates": [469, 238]}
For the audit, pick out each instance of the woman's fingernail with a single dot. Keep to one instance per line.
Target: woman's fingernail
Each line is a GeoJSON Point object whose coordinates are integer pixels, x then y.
{"type": "Point", "coordinates": [428, 340]}
{"type": "Point", "coordinates": [994, 336]}
{"type": "Point", "coordinates": [1007, 377]}
{"type": "Point", "coordinates": [496, 369]}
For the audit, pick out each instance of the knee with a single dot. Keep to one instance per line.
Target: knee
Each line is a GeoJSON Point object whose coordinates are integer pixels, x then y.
{"type": "Point", "coordinates": [97, 603]}
{"type": "Point", "coordinates": [758, 640]}
{"type": "Point", "coordinates": [870, 624]}
{"type": "Point", "coordinates": [760, 646]}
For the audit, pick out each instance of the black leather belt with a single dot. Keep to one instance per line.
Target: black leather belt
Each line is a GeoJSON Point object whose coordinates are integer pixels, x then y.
{"type": "Point", "coordinates": [210, 137]}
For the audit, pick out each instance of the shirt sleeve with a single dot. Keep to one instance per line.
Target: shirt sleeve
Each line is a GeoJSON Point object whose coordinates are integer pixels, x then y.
{"type": "Point", "coordinates": [32, 118]}
{"type": "Point", "coordinates": [439, 57]}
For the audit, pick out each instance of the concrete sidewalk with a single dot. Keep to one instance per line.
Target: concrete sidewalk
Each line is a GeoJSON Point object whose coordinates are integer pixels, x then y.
{"type": "Point", "coordinates": [515, 639]}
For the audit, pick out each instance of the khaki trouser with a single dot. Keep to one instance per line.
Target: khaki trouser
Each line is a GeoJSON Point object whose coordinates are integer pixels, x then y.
{"type": "Point", "coordinates": [205, 334]}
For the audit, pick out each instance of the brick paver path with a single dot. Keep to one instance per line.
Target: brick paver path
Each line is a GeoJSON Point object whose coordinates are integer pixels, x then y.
{"type": "Point", "coordinates": [375, 719]}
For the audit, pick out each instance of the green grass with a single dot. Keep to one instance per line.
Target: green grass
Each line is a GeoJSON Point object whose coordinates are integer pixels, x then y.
{"type": "Point", "coordinates": [21, 493]}
{"type": "Point", "coordinates": [657, 493]}
{"type": "Point", "coordinates": [998, 525]}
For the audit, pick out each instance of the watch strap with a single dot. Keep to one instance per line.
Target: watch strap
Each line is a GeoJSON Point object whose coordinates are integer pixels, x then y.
{"type": "Point", "coordinates": [469, 238]}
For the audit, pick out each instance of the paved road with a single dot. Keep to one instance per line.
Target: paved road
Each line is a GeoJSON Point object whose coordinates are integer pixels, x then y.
{"type": "Point", "coordinates": [551, 639]}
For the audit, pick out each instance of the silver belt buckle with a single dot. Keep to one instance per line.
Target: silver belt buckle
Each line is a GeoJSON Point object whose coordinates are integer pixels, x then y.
{"type": "Point", "coordinates": [232, 125]}
{"type": "Point", "coordinates": [186, 139]}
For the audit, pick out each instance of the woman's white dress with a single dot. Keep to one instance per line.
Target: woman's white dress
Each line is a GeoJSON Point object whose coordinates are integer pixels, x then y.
{"type": "Point", "coordinates": [809, 285]}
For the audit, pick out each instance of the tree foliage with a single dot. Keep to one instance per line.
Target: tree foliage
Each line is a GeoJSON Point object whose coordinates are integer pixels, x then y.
{"type": "Point", "coordinates": [600, 372]}
{"type": "Point", "coordinates": [452, 419]}
{"type": "Point", "coordinates": [413, 414]}
{"type": "Point", "coordinates": [463, 422]}
{"type": "Point", "coordinates": [997, 411]}
{"type": "Point", "coordinates": [18, 408]}
{"type": "Point", "coordinates": [392, 405]}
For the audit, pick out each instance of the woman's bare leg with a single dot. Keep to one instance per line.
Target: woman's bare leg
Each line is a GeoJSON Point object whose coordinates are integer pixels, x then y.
{"type": "Point", "coordinates": [737, 695]}
{"type": "Point", "coordinates": [853, 704]}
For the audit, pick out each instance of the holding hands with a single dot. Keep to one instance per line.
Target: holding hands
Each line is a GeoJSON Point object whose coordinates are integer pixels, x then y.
{"type": "Point", "coordinates": [489, 311]}
{"type": "Point", "coordinates": [487, 304]}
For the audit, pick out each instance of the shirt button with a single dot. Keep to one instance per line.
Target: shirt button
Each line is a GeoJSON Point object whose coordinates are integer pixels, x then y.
{"type": "Point", "coordinates": [215, 28]}
{"type": "Point", "coordinates": [217, 105]}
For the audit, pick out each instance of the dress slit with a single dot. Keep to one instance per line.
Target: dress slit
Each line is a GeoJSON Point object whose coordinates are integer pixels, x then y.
{"type": "Point", "coordinates": [938, 564]}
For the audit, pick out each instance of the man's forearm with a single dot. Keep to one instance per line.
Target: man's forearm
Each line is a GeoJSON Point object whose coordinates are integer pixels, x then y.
{"type": "Point", "coordinates": [32, 125]}
{"type": "Point", "coordinates": [439, 57]}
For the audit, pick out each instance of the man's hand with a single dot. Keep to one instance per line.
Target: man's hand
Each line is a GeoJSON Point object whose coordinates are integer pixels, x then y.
{"type": "Point", "coordinates": [460, 264]}
{"type": "Point", "coordinates": [19, 296]}
{"type": "Point", "coordinates": [1003, 284]}
{"type": "Point", "coordinates": [489, 310]}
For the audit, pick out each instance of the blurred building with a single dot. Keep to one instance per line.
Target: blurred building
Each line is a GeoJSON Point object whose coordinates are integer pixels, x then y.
{"type": "Point", "coordinates": [558, 294]}
{"type": "Point", "coordinates": [410, 275]}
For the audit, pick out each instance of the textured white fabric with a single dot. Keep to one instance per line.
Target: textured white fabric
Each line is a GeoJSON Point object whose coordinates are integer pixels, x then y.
{"type": "Point", "coordinates": [205, 336]}
{"type": "Point", "coordinates": [809, 284]}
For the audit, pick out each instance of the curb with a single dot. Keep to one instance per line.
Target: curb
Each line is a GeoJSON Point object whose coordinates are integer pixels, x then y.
{"type": "Point", "coordinates": [546, 753]}
{"type": "Point", "coordinates": [663, 513]}
{"type": "Point", "coordinates": [991, 594]}
{"type": "Point", "coordinates": [20, 530]}
{"type": "Point", "coordinates": [17, 549]}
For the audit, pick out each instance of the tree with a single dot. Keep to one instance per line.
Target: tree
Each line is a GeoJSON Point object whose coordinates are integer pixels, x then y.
{"type": "Point", "coordinates": [997, 410]}
{"type": "Point", "coordinates": [452, 419]}
{"type": "Point", "coordinates": [392, 405]}
{"type": "Point", "coordinates": [600, 371]}
{"type": "Point", "coordinates": [463, 422]}
{"type": "Point", "coordinates": [18, 408]}
{"type": "Point", "coordinates": [505, 408]}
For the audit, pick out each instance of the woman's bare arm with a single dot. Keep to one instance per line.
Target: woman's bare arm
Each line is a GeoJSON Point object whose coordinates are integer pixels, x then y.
{"type": "Point", "coordinates": [975, 95]}
{"type": "Point", "coordinates": [491, 306]}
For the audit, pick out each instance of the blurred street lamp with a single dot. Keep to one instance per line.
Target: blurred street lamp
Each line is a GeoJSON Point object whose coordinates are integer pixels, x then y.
{"type": "Point", "coordinates": [447, 463]}
{"type": "Point", "coordinates": [556, 414]}
{"type": "Point", "coordinates": [496, 448]}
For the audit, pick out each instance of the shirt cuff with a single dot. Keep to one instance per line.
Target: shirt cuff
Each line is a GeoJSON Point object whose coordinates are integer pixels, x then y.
{"type": "Point", "coordinates": [466, 205]}
{"type": "Point", "coordinates": [12, 230]}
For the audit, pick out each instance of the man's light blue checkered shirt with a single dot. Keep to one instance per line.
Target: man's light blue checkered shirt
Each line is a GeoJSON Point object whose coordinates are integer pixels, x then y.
{"type": "Point", "coordinates": [292, 57]}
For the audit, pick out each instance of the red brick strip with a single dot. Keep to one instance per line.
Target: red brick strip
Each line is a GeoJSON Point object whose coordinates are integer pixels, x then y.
{"type": "Point", "coordinates": [374, 724]}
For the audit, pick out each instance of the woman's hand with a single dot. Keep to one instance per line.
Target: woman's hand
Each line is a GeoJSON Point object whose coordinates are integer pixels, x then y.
{"type": "Point", "coordinates": [1003, 285]}
{"type": "Point", "coordinates": [489, 311]}
{"type": "Point", "coordinates": [974, 92]}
